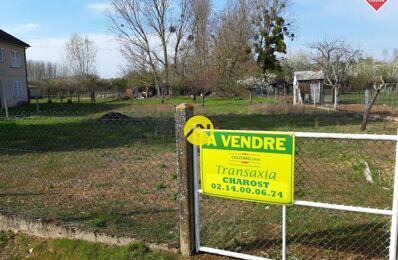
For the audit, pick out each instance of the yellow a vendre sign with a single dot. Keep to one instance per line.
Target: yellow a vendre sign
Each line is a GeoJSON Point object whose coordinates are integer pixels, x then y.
{"type": "Point", "coordinates": [250, 166]}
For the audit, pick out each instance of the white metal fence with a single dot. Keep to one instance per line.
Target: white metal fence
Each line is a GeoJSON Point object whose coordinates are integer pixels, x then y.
{"type": "Point", "coordinates": [339, 211]}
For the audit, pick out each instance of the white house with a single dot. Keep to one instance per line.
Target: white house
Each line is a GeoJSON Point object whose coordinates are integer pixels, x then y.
{"type": "Point", "coordinates": [13, 71]}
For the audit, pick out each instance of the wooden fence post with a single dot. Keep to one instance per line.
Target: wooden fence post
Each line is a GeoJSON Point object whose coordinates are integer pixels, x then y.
{"type": "Point", "coordinates": [185, 171]}
{"type": "Point", "coordinates": [5, 106]}
{"type": "Point", "coordinates": [37, 106]}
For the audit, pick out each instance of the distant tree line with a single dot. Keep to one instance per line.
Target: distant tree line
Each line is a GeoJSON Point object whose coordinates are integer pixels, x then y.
{"type": "Point", "coordinates": [41, 70]}
{"type": "Point", "coordinates": [188, 47]}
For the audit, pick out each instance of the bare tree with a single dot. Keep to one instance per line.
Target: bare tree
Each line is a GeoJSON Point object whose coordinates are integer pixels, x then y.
{"type": "Point", "coordinates": [231, 52]}
{"type": "Point", "coordinates": [197, 70]}
{"type": "Point", "coordinates": [200, 31]}
{"type": "Point", "coordinates": [337, 59]}
{"type": "Point", "coordinates": [150, 36]}
{"type": "Point", "coordinates": [378, 84]}
{"type": "Point", "coordinates": [370, 72]}
{"type": "Point", "coordinates": [81, 58]}
{"type": "Point", "coordinates": [40, 70]}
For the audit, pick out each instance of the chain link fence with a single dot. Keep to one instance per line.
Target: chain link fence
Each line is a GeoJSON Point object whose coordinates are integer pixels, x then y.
{"type": "Point", "coordinates": [335, 171]}
{"type": "Point", "coordinates": [386, 103]}
{"type": "Point", "coordinates": [108, 172]}
{"type": "Point", "coordinates": [114, 173]}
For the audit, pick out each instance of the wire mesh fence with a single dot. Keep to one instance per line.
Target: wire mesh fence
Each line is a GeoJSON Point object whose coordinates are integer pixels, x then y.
{"type": "Point", "coordinates": [352, 100]}
{"type": "Point", "coordinates": [356, 101]}
{"type": "Point", "coordinates": [356, 173]}
{"type": "Point", "coordinates": [329, 234]}
{"type": "Point", "coordinates": [112, 173]}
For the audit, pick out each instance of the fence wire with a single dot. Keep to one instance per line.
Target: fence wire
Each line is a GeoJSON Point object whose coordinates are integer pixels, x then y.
{"type": "Point", "coordinates": [345, 172]}
{"type": "Point", "coordinates": [115, 173]}
{"type": "Point", "coordinates": [112, 173]}
{"type": "Point", "coordinates": [315, 233]}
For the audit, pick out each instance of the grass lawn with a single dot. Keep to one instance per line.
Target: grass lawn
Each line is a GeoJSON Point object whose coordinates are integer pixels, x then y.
{"type": "Point", "coordinates": [138, 107]}
{"type": "Point", "coordinates": [70, 165]}
{"type": "Point", "coordinates": [19, 246]}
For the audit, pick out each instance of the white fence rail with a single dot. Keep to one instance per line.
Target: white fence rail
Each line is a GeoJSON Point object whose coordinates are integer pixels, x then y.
{"type": "Point", "coordinates": [330, 138]}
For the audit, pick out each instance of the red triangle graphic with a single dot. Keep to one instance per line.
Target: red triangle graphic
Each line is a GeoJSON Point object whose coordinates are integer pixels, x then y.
{"type": "Point", "coordinates": [376, 4]}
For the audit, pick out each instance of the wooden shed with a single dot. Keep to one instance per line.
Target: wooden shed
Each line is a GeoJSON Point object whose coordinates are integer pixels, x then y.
{"type": "Point", "coordinates": [140, 92]}
{"type": "Point", "coordinates": [308, 87]}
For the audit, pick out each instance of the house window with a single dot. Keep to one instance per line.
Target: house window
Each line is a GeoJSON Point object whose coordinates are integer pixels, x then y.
{"type": "Point", "coordinates": [17, 91]}
{"type": "Point", "coordinates": [15, 59]}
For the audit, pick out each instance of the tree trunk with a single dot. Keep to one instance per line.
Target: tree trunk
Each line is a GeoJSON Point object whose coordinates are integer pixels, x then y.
{"type": "Point", "coordinates": [367, 111]}
{"type": "Point", "coordinates": [92, 96]}
{"type": "Point", "coordinates": [335, 97]}
{"type": "Point", "coordinates": [251, 97]}
{"type": "Point", "coordinates": [158, 92]}
{"type": "Point", "coordinates": [203, 100]}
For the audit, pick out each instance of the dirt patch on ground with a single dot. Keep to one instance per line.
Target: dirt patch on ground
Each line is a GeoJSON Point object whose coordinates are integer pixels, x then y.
{"type": "Point", "coordinates": [114, 116]}
{"type": "Point", "coordinates": [377, 109]}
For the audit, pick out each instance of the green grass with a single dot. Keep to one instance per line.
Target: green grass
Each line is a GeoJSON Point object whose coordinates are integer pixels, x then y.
{"type": "Point", "coordinates": [137, 107]}
{"type": "Point", "coordinates": [68, 166]}
{"type": "Point", "coordinates": [17, 247]}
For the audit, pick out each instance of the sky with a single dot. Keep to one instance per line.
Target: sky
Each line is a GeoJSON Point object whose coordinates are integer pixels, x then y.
{"type": "Point", "coordinates": [46, 24]}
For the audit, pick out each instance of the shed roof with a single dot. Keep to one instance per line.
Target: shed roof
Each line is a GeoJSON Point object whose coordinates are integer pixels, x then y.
{"type": "Point", "coordinates": [309, 75]}
{"type": "Point", "coordinates": [6, 37]}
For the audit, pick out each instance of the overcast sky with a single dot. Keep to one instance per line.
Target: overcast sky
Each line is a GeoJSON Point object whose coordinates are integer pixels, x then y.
{"type": "Point", "coordinates": [46, 24]}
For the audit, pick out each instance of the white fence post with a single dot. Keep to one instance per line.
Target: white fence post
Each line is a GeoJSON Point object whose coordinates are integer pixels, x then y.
{"type": "Point", "coordinates": [394, 221]}
{"type": "Point", "coordinates": [196, 196]}
{"type": "Point", "coordinates": [284, 232]}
